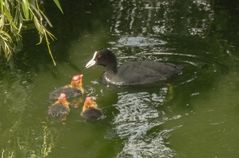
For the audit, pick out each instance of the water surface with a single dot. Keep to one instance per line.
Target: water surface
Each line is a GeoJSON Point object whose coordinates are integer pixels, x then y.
{"type": "Point", "coordinates": [194, 115]}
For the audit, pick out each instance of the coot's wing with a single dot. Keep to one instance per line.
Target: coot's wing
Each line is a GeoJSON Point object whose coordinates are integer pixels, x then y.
{"type": "Point", "coordinates": [146, 72]}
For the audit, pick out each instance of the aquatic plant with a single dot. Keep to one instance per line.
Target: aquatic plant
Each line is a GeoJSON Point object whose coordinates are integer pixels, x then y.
{"type": "Point", "coordinates": [19, 15]}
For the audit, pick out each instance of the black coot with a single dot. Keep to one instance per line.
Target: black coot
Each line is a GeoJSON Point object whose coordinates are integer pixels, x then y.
{"type": "Point", "coordinates": [90, 111]}
{"type": "Point", "coordinates": [132, 73]}
{"type": "Point", "coordinates": [60, 109]}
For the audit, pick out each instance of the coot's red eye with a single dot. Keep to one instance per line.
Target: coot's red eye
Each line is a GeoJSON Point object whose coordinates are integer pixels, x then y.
{"type": "Point", "coordinates": [99, 56]}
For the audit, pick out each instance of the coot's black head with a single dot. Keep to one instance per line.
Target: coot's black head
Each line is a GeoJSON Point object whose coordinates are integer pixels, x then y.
{"type": "Point", "coordinates": [103, 57]}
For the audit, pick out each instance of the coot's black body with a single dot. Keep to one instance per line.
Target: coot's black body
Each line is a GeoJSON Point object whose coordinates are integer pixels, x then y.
{"type": "Point", "coordinates": [92, 114]}
{"type": "Point", "coordinates": [132, 73]}
{"type": "Point", "coordinates": [141, 73]}
{"type": "Point", "coordinates": [58, 111]}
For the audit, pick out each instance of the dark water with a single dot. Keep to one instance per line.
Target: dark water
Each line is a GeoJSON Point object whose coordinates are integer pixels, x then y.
{"type": "Point", "coordinates": [195, 115]}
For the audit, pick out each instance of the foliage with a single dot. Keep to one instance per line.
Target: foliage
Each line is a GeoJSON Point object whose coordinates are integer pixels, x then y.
{"type": "Point", "coordinates": [15, 16]}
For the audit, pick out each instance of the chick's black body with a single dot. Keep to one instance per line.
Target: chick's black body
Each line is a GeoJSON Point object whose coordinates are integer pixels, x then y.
{"type": "Point", "coordinates": [69, 91]}
{"type": "Point", "coordinates": [58, 111]}
{"type": "Point", "coordinates": [92, 114]}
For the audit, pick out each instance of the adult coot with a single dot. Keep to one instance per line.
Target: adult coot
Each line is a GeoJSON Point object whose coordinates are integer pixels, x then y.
{"type": "Point", "coordinates": [132, 73]}
{"type": "Point", "coordinates": [72, 90]}
{"type": "Point", "coordinates": [60, 109]}
{"type": "Point", "coordinates": [90, 111]}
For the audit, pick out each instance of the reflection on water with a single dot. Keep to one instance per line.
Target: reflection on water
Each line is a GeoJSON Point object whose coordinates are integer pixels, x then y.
{"type": "Point", "coordinates": [27, 142]}
{"type": "Point", "coordinates": [43, 145]}
{"type": "Point", "coordinates": [20, 137]}
{"type": "Point", "coordinates": [138, 115]}
{"type": "Point", "coordinates": [48, 141]}
{"type": "Point", "coordinates": [163, 17]}
{"type": "Point", "coordinates": [135, 116]}
{"type": "Point", "coordinates": [146, 147]}
{"type": "Point", "coordinates": [138, 41]}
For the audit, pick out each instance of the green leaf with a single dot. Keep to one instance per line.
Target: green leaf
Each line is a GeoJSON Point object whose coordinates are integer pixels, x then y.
{"type": "Point", "coordinates": [25, 8]}
{"type": "Point", "coordinates": [1, 6]}
{"type": "Point", "coordinates": [8, 15]}
{"type": "Point", "coordinates": [38, 26]}
{"type": "Point", "coordinates": [1, 22]}
{"type": "Point", "coordinates": [45, 17]}
{"type": "Point", "coordinates": [58, 5]}
{"type": "Point", "coordinates": [16, 15]}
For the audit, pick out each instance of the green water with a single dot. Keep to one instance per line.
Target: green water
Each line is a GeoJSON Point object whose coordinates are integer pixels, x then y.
{"type": "Point", "coordinates": [193, 116]}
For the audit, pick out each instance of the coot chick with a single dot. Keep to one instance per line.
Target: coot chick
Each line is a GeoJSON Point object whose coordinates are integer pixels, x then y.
{"type": "Point", "coordinates": [72, 90]}
{"type": "Point", "coordinates": [60, 109]}
{"type": "Point", "coordinates": [132, 73]}
{"type": "Point", "coordinates": [90, 111]}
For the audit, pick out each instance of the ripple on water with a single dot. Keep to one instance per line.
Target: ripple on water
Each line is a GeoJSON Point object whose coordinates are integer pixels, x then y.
{"type": "Point", "coordinates": [146, 147]}
{"type": "Point", "coordinates": [137, 116]}
{"type": "Point", "coordinates": [139, 41]}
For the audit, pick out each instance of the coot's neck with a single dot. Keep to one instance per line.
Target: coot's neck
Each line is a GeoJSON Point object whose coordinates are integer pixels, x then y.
{"type": "Point", "coordinates": [111, 63]}
{"type": "Point", "coordinates": [111, 67]}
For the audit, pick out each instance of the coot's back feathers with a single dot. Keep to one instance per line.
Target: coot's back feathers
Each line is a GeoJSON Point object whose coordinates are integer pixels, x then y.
{"type": "Point", "coordinates": [146, 72]}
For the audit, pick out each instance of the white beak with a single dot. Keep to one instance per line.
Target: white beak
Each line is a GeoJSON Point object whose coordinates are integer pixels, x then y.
{"type": "Point", "coordinates": [92, 62]}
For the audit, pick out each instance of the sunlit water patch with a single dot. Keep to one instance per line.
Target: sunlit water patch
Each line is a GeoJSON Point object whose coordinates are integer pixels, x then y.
{"type": "Point", "coordinates": [153, 17]}
{"type": "Point", "coordinates": [138, 41]}
{"type": "Point", "coordinates": [146, 147]}
{"type": "Point", "coordinates": [137, 115]}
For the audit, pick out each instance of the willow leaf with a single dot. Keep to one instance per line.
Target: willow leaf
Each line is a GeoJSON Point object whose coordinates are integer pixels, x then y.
{"type": "Point", "coordinates": [8, 15]}
{"type": "Point", "coordinates": [38, 25]}
{"type": "Point", "coordinates": [50, 35]}
{"type": "Point", "coordinates": [45, 17]}
{"type": "Point", "coordinates": [1, 6]}
{"type": "Point", "coordinates": [49, 49]}
{"type": "Point", "coordinates": [1, 22]}
{"type": "Point", "coordinates": [3, 33]}
{"type": "Point", "coordinates": [58, 5]}
{"type": "Point", "coordinates": [25, 8]}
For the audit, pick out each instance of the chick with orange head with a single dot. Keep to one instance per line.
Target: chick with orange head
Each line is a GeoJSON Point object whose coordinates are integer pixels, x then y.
{"type": "Point", "coordinates": [72, 90]}
{"type": "Point", "coordinates": [60, 109]}
{"type": "Point", "coordinates": [90, 110]}
{"type": "Point", "coordinates": [77, 82]}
